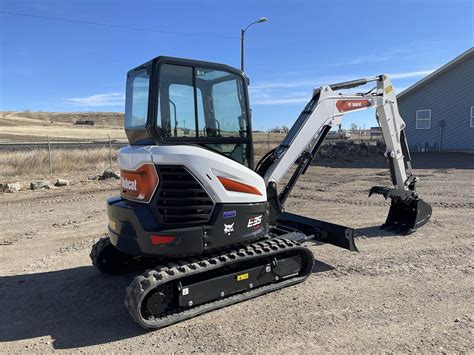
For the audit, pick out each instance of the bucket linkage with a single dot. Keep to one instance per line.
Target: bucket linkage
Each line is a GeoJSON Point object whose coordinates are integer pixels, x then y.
{"type": "Point", "coordinates": [408, 211]}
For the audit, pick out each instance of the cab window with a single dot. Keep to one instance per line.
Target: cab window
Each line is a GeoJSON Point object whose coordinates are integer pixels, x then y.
{"type": "Point", "coordinates": [227, 108]}
{"type": "Point", "coordinates": [204, 105]}
{"type": "Point", "coordinates": [200, 102]}
{"type": "Point", "coordinates": [225, 111]}
{"type": "Point", "coordinates": [136, 105]}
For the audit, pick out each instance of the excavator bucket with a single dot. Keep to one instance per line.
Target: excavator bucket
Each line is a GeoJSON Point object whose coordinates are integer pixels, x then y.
{"type": "Point", "coordinates": [404, 216]}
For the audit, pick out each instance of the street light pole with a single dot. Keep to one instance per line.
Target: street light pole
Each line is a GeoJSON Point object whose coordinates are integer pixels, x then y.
{"type": "Point", "coordinates": [242, 40]}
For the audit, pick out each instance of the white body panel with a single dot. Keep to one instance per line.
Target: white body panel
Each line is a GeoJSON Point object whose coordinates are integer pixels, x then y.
{"type": "Point", "coordinates": [204, 164]}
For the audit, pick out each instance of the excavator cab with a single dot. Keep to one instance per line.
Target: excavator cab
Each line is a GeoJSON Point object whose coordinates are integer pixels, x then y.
{"type": "Point", "coordinates": [181, 101]}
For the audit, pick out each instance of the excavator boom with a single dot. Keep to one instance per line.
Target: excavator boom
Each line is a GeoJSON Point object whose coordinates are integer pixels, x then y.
{"type": "Point", "coordinates": [325, 110]}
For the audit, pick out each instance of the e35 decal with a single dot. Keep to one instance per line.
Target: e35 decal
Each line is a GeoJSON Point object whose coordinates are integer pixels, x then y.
{"type": "Point", "coordinates": [254, 221]}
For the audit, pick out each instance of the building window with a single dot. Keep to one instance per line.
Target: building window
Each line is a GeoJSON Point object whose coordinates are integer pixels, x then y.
{"type": "Point", "coordinates": [472, 116]}
{"type": "Point", "coordinates": [423, 119]}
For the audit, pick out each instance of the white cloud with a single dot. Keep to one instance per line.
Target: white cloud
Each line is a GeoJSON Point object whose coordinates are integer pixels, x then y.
{"type": "Point", "coordinates": [411, 74]}
{"type": "Point", "coordinates": [299, 91]}
{"type": "Point", "coordinates": [112, 99]}
{"type": "Point", "coordinates": [362, 60]}
{"type": "Point", "coordinates": [281, 100]}
{"type": "Point", "coordinates": [409, 50]}
{"type": "Point", "coordinates": [299, 83]}
{"type": "Point", "coordinates": [280, 85]}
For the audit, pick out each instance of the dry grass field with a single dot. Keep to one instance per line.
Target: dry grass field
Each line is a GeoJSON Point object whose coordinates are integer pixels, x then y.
{"type": "Point", "coordinates": [35, 163]}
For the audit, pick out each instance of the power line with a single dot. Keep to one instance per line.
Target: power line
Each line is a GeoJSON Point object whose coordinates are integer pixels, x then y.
{"type": "Point", "coordinates": [116, 26]}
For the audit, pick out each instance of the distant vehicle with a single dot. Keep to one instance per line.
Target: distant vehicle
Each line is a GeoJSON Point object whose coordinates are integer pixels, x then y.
{"type": "Point", "coordinates": [85, 122]}
{"type": "Point", "coordinates": [338, 135]}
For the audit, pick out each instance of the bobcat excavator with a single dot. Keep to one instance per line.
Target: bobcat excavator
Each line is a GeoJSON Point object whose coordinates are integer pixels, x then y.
{"type": "Point", "coordinates": [211, 229]}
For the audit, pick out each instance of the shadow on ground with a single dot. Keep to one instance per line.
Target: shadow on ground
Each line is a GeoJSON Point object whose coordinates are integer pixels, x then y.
{"type": "Point", "coordinates": [429, 160]}
{"type": "Point", "coordinates": [76, 307]}
{"type": "Point", "coordinates": [374, 232]}
{"type": "Point", "coordinates": [319, 266]}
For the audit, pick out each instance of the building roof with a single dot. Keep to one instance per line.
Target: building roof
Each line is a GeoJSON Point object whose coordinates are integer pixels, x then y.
{"type": "Point", "coordinates": [436, 73]}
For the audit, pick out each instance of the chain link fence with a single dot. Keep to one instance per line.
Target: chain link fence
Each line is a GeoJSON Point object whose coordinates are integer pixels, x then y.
{"type": "Point", "coordinates": [56, 155]}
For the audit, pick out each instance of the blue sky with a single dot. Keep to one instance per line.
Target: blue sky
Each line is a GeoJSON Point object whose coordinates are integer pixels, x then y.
{"type": "Point", "coordinates": [61, 66]}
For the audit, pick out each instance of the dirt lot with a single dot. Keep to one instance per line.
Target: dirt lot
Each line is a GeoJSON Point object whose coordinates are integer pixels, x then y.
{"type": "Point", "coordinates": [398, 294]}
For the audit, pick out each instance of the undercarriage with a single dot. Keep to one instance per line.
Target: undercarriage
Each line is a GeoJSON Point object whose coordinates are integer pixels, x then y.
{"type": "Point", "coordinates": [175, 289]}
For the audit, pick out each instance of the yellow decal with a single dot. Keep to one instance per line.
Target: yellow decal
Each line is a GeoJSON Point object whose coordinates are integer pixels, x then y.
{"type": "Point", "coordinates": [242, 277]}
{"type": "Point", "coordinates": [388, 89]}
{"type": "Point", "coordinates": [112, 224]}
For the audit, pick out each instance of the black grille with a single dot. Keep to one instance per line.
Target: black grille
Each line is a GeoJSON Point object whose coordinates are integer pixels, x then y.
{"type": "Point", "coordinates": [181, 198]}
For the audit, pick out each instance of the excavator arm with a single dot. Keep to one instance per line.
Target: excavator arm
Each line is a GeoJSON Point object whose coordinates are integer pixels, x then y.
{"type": "Point", "coordinates": [324, 110]}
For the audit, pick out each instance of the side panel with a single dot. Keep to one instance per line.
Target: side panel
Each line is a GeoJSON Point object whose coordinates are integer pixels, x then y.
{"type": "Point", "coordinates": [207, 166]}
{"type": "Point", "coordinates": [131, 226]}
{"type": "Point", "coordinates": [235, 224]}
{"type": "Point", "coordinates": [204, 164]}
{"type": "Point", "coordinates": [132, 157]}
{"type": "Point", "coordinates": [450, 97]}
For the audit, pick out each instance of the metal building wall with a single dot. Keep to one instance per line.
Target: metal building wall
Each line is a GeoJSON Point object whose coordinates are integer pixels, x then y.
{"type": "Point", "coordinates": [450, 96]}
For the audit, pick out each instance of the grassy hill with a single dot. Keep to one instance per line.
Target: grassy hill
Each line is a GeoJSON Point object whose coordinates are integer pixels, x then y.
{"type": "Point", "coordinates": [37, 126]}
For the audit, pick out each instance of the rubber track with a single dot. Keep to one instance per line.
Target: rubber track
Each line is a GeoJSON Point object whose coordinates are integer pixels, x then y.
{"type": "Point", "coordinates": [143, 284]}
{"type": "Point", "coordinates": [100, 245]}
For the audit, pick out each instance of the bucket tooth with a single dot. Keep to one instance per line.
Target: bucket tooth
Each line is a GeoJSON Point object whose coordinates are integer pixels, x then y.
{"type": "Point", "coordinates": [379, 190]}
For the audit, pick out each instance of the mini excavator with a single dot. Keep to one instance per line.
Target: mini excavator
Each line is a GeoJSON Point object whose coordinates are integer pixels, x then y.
{"type": "Point", "coordinates": [208, 226]}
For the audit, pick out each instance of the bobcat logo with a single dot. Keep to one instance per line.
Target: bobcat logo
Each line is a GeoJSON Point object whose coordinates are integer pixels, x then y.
{"type": "Point", "coordinates": [129, 184]}
{"type": "Point", "coordinates": [229, 228]}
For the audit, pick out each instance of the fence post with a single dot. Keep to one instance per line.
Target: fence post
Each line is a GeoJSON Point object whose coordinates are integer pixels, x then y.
{"type": "Point", "coordinates": [268, 142]}
{"type": "Point", "coordinates": [110, 151]}
{"type": "Point", "coordinates": [49, 154]}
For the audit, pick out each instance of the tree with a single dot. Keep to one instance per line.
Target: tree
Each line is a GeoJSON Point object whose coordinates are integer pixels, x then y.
{"type": "Point", "coordinates": [354, 127]}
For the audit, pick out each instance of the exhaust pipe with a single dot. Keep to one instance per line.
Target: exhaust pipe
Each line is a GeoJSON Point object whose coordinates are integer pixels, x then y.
{"type": "Point", "coordinates": [407, 213]}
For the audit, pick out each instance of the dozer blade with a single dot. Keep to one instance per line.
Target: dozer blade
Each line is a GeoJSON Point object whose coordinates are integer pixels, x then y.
{"type": "Point", "coordinates": [405, 215]}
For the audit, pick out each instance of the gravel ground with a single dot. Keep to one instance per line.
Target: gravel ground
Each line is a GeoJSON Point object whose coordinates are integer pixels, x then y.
{"type": "Point", "coordinates": [398, 294]}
